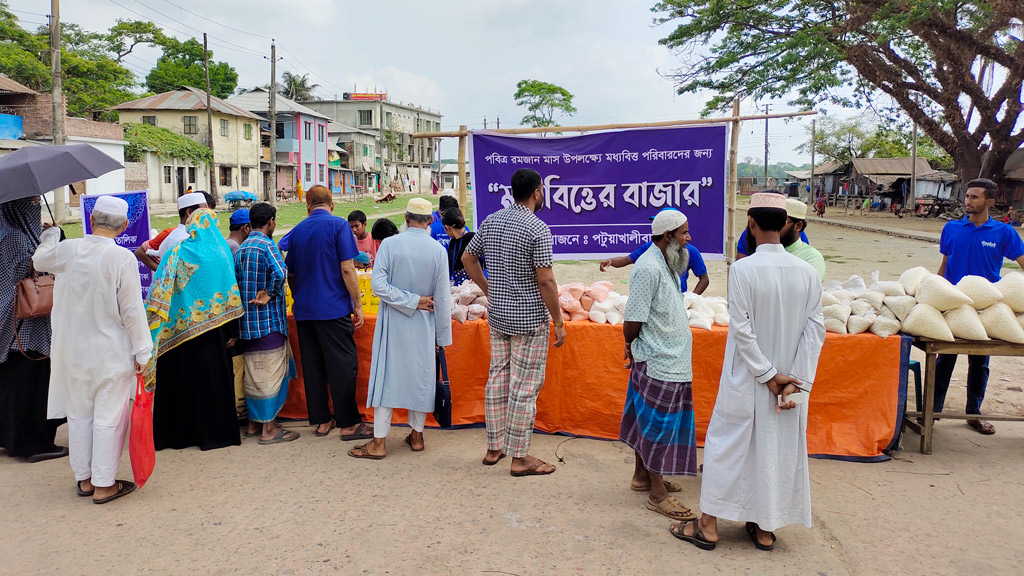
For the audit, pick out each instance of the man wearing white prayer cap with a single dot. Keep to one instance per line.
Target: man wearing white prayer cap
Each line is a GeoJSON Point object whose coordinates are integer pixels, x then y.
{"type": "Point", "coordinates": [100, 342]}
{"type": "Point", "coordinates": [153, 250]}
{"type": "Point", "coordinates": [755, 450]}
{"type": "Point", "coordinates": [796, 223]}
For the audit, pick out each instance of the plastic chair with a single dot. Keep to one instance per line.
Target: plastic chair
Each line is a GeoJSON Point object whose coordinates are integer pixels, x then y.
{"type": "Point", "coordinates": [915, 367]}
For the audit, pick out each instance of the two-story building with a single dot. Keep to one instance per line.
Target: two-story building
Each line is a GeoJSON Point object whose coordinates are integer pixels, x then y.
{"type": "Point", "coordinates": [406, 163]}
{"type": "Point", "coordinates": [362, 155]}
{"type": "Point", "coordinates": [236, 135]}
{"type": "Point", "coordinates": [301, 139]}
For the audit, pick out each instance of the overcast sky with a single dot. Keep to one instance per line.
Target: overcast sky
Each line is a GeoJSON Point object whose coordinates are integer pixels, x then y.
{"type": "Point", "coordinates": [462, 57]}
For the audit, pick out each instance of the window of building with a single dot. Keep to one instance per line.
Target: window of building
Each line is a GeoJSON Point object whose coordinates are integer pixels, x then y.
{"type": "Point", "coordinates": [320, 173]}
{"type": "Point", "coordinates": [307, 130]}
{"type": "Point", "coordinates": [366, 150]}
{"type": "Point", "coordinates": [279, 131]}
{"type": "Point", "coordinates": [225, 176]}
{"type": "Point", "coordinates": [151, 120]}
{"type": "Point", "coordinates": [167, 174]}
{"type": "Point", "coordinates": [410, 153]}
{"type": "Point", "coordinates": [224, 127]}
{"type": "Point", "coordinates": [309, 172]}
{"type": "Point", "coordinates": [247, 130]}
{"type": "Point", "coordinates": [191, 175]}
{"type": "Point", "coordinates": [320, 132]}
{"type": "Point", "coordinates": [191, 124]}
{"type": "Point", "coordinates": [366, 118]}
{"type": "Point", "coordinates": [245, 175]}
{"type": "Point", "coordinates": [387, 117]}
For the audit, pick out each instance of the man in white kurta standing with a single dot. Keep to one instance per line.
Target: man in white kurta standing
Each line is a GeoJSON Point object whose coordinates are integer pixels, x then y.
{"type": "Point", "coordinates": [100, 342]}
{"type": "Point", "coordinates": [410, 275]}
{"type": "Point", "coordinates": [755, 451]}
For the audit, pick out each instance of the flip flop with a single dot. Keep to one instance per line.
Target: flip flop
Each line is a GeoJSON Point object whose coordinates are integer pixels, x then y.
{"type": "Point", "coordinates": [982, 426]}
{"type": "Point", "coordinates": [533, 470]}
{"type": "Point", "coordinates": [671, 508]}
{"type": "Point", "coordinates": [319, 434]}
{"type": "Point", "coordinates": [362, 452]}
{"type": "Point", "coordinates": [487, 462]}
{"type": "Point", "coordinates": [697, 539]}
{"type": "Point", "coordinates": [752, 532]}
{"type": "Point", "coordinates": [366, 435]}
{"type": "Point", "coordinates": [124, 488]}
{"type": "Point", "coordinates": [670, 486]}
{"type": "Point", "coordinates": [248, 435]}
{"type": "Point", "coordinates": [83, 493]}
{"type": "Point", "coordinates": [282, 436]}
{"type": "Point", "coordinates": [408, 440]}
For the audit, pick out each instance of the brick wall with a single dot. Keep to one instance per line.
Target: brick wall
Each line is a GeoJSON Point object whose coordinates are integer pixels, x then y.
{"type": "Point", "coordinates": [37, 113]}
{"type": "Point", "coordinates": [135, 176]}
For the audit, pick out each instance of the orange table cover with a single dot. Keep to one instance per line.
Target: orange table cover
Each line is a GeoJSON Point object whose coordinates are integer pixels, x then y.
{"type": "Point", "coordinates": [854, 412]}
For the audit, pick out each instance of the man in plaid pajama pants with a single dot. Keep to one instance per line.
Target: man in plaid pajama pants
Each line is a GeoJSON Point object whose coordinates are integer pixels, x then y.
{"type": "Point", "coordinates": [521, 294]}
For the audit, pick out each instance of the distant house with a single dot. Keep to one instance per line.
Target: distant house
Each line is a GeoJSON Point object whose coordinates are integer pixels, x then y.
{"type": "Point", "coordinates": [154, 162]}
{"type": "Point", "coordinates": [362, 156]}
{"type": "Point", "coordinates": [826, 179]}
{"type": "Point", "coordinates": [301, 139]}
{"type": "Point", "coordinates": [236, 139]}
{"type": "Point", "coordinates": [450, 177]}
{"type": "Point", "coordinates": [1012, 186]}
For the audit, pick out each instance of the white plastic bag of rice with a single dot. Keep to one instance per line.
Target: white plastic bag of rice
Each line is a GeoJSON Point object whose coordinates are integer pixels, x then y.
{"type": "Point", "coordinates": [861, 307]}
{"type": "Point", "coordinates": [614, 317]}
{"type": "Point", "coordinates": [889, 288]}
{"type": "Point", "coordinates": [688, 299]}
{"type": "Point", "coordinates": [926, 321]}
{"type": "Point", "coordinates": [1011, 287]}
{"type": "Point", "coordinates": [721, 319]}
{"type": "Point", "coordinates": [900, 305]}
{"type": "Point", "coordinates": [859, 324]}
{"type": "Point", "coordinates": [827, 299]}
{"type": "Point", "coordinates": [855, 284]}
{"type": "Point", "coordinates": [938, 293]}
{"type": "Point", "coordinates": [840, 312]}
{"type": "Point", "coordinates": [701, 322]}
{"type": "Point", "coordinates": [965, 323]}
{"type": "Point", "coordinates": [980, 290]}
{"type": "Point", "coordinates": [912, 278]}
{"type": "Point", "coordinates": [598, 316]}
{"type": "Point", "coordinates": [844, 296]}
{"type": "Point", "coordinates": [835, 325]}
{"type": "Point", "coordinates": [887, 313]}
{"type": "Point", "coordinates": [873, 297]}
{"type": "Point", "coordinates": [885, 327]}
{"type": "Point", "coordinates": [1001, 323]}
{"type": "Point", "coordinates": [718, 304]}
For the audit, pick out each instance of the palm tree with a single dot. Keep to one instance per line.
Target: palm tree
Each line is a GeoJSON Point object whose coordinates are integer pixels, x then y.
{"type": "Point", "coordinates": [296, 87]}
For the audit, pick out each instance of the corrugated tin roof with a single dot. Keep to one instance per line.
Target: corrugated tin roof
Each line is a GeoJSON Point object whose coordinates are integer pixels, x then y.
{"type": "Point", "coordinates": [889, 166]}
{"type": "Point", "coordinates": [1014, 169]}
{"type": "Point", "coordinates": [258, 100]}
{"type": "Point", "coordinates": [339, 128]}
{"type": "Point", "coordinates": [185, 98]}
{"type": "Point", "coordinates": [8, 85]}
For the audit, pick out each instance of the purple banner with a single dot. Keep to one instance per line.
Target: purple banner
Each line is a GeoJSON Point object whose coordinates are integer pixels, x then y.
{"type": "Point", "coordinates": [601, 190]}
{"type": "Point", "coordinates": [138, 227]}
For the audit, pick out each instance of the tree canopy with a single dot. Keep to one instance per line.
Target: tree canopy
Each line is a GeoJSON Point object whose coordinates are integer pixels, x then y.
{"type": "Point", "coordinates": [297, 87]}
{"type": "Point", "coordinates": [182, 65]}
{"type": "Point", "coordinates": [542, 100]}
{"type": "Point", "coordinates": [843, 139]}
{"type": "Point", "coordinates": [955, 67]}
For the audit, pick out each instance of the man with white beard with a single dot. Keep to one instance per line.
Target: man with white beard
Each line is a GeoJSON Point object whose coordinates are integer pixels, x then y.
{"type": "Point", "coordinates": [657, 420]}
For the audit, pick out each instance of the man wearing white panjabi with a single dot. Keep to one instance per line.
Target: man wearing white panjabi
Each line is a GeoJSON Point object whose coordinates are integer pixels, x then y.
{"type": "Point", "coordinates": [410, 275]}
{"type": "Point", "coordinates": [755, 451]}
{"type": "Point", "coordinates": [100, 342]}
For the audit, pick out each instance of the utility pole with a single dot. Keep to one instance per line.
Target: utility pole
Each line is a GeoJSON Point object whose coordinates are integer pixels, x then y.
{"type": "Point", "coordinates": [209, 119]}
{"type": "Point", "coordinates": [767, 107]}
{"type": "Point", "coordinates": [913, 169]}
{"type": "Point", "coordinates": [57, 95]}
{"type": "Point", "coordinates": [810, 194]}
{"type": "Point", "coordinates": [485, 122]}
{"type": "Point", "coordinates": [499, 122]}
{"type": "Point", "coordinates": [271, 195]}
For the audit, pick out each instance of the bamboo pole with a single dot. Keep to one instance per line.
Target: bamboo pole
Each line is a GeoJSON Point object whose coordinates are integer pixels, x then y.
{"type": "Point", "coordinates": [598, 127]}
{"type": "Point", "coordinates": [730, 222]}
{"type": "Point", "coordinates": [462, 166]}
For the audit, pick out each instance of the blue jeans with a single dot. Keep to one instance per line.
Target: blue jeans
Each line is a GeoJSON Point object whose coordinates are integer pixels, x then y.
{"type": "Point", "coordinates": [977, 381]}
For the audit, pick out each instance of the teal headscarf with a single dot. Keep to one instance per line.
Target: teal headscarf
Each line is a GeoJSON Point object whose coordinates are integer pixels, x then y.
{"type": "Point", "coordinates": [194, 291]}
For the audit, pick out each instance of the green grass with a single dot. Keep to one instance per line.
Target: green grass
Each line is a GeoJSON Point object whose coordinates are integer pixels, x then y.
{"type": "Point", "coordinates": [1011, 265]}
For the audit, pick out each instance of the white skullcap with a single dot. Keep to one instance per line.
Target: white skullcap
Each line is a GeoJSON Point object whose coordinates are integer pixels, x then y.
{"type": "Point", "coordinates": [796, 209]}
{"type": "Point", "coordinates": [192, 199]}
{"type": "Point", "coordinates": [419, 206]}
{"type": "Point", "coordinates": [768, 200]}
{"type": "Point", "coordinates": [111, 205]}
{"type": "Point", "coordinates": [666, 221]}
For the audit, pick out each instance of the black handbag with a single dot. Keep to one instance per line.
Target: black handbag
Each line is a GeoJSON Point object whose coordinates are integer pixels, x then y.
{"type": "Point", "coordinates": [442, 393]}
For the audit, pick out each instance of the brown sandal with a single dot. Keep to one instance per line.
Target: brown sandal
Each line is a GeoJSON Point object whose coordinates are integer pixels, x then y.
{"type": "Point", "coordinates": [982, 426]}
{"type": "Point", "coordinates": [362, 452]}
{"type": "Point", "coordinates": [671, 508]}
{"type": "Point", "coordinates": [408, 440]}
{"type": "Point", "coordinates": [533, 470]}
{"type": "Point", "coordinates": [669, 486]}
{"type": "Point", "coordinates": [697, 539]}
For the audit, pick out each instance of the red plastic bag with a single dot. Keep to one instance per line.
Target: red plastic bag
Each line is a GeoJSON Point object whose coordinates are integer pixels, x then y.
{"type": "Point", "coordinates": [140, 443]}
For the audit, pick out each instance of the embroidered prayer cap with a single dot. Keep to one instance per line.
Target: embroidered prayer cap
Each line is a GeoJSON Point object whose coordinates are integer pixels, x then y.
{"type": "Point", "coordinates": [768, 200]}
{"type": "Point", "coordinates": [666, 221]}
{"type": "Point", "coordinates": [796, 209]}
{"type": "Point", "coordinates": [419, 206]}
{"type": "Point", "coordinates": [111, 205]}
{"type": "Point", "coordinates": [189, 200]}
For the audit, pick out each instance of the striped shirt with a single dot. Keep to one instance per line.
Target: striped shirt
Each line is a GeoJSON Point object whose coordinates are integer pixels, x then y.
{"type": "Point", "coordinates": [260, 266]}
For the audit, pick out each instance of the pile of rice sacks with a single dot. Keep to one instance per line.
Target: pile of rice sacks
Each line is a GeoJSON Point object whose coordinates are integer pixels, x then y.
{"type": "Point", "coordinates": [468, 303]}
{"type": "Point", "coordinates": [597, 303]}
{"type": "Point", "coordinates": [921, 303]}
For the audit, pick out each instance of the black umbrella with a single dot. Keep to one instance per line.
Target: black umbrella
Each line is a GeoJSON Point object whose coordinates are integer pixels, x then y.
{"type": "Point", "coordinates": [35, 170]}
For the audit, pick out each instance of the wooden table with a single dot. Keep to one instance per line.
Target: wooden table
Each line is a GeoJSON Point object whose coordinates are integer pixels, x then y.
{"type": "Point", "coordinates": [931, 349]}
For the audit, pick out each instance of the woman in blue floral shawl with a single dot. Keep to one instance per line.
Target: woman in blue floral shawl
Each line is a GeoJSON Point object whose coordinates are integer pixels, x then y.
{"type": "Point", "coordinates": [191, 305]}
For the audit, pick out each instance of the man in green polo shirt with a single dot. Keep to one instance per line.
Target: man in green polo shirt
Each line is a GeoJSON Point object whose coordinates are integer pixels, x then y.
{"type": "Point", "coordinates": [796, 222]}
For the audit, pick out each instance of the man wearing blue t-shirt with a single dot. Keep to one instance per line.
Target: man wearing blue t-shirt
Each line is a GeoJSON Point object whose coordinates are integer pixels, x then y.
{"type": "Point", "coordinates": [696, 265]}
{"type": "Point", "coordinates": [437, 232]}
{"type": "Point", "coordinates": [974, 246]}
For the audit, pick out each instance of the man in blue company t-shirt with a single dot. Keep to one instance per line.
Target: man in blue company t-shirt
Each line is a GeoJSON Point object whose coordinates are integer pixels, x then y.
{"type": "Point", "coordinates": [696, 265]}
{"type": "Point", "coordinates": [974, 246]}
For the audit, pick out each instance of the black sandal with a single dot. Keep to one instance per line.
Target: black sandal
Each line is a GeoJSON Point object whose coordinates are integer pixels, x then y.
{"type": "Point", "coordinates": [83, 493]}
{"type": "Point", "coordinates": [697, 539]}
{"type": "Point", "coordinates": [752, 532]}
{"type": "Point", "coordinates": [318, 434]}
{"type": "Point", "coordinates": [124, 488]}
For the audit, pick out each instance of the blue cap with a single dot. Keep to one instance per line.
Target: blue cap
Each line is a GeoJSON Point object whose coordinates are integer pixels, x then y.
{"type": "Point", "coordinates": [240, 216]}
{"type": "Point", "coordinates": [362, 258]}
{"type": "Point", "coordinates": [662, 210]}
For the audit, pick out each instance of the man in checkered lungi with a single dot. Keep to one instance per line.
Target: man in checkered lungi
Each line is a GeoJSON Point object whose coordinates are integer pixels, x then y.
{"type": "Point", "coordinates": [521, 294]}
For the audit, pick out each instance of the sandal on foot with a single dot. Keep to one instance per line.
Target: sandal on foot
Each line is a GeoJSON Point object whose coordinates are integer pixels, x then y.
{"type": "Point", "coordinates": [408, 440]}
{"type": "Point", "coordinates": [362, 452]}
{"type": "Point", "coordinates": [320, 434]}
{"type": "Point", "coordinates": [670, 486]}
{"type": "Point", "coordinates": [363, 432]}
{"type": "Point", "coordinates": [83, 493]}
{"type": "Point", "coordinates": [282, 436]}
{"type": "Point", "coordinates": [533, 470]}
{"type": "Point", "coordinates": [671, 508]}
{"type": "Point", "coordinates": [487, 462]}
{"type": "Point", "coordinates": [124, 488]}
{"type": "Point", "coordinates": [982, 426]}
{"type": "Point", "coordinates": [248, 434]}
{"type": "Point", "coordinates": [752, 532]}
{"type": "Point", "coordinates": [697, 539]}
